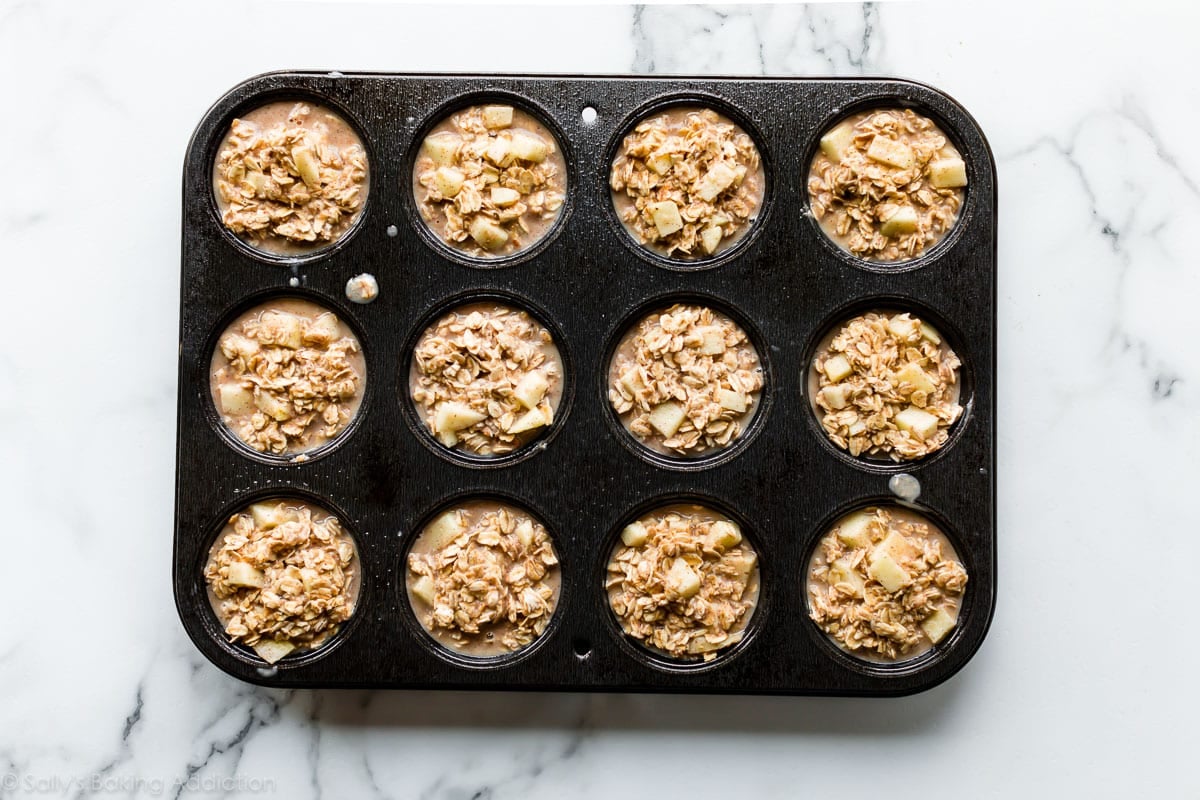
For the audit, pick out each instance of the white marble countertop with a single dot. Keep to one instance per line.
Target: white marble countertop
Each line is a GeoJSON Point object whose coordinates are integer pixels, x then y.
{"type": "Point", "coordinates": [1092, 113]}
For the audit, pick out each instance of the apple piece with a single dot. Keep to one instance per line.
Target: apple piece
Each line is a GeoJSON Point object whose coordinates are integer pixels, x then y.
{"type": "Point", "coordinates": [837, 367]}
{"type": "Point", "coordinates": [681, 580]}
{"type": "Point", "coordinates": [452, 416]}
{"type": "Point", "coordinates": [531, 420]}
{"type": "Point", "coordinates": [842, 571]}
{"type": "Point", "coordinates": [449, 181]}
{"type": "Point", "coordinates": [531, 389]}
{"type": "Point", "coordinates": [930, 333]}
{"type": "Point", "coordinates": [243, 574]}
{"type": "Point", "coordinates": [732, 401]}
{"type": "Point", "coordinates": [712, 340]}
{"type": "Point", "coordinates": [307, 166]}
{"type": "Point", "coordinates": [903, 327]}
{"type": "Point", "coordinates": [528, 146]}
{"type": "Point", "coordinates": [948, 173]}
{"type": "Point", "coordinates": [889, 574]}
{"type": "Point", "coordinates": [236, 399]}
{"type": "Point", "coordinates": [701, 645]}
{"type": "Point", "coordinates": [914, 375]}
{"type": "Point", "coordinates": [272, 650]}
{"type": "Point", "coordinates": [273, 407]}
{"type": "Point", "coordinates": [256, 180]}
{"type": "Point", "coordinates": [890, 152]}
{"type": "Point", "coordinates": [525, 533]}
{"type": "Point", "coordinates": [499, 151]}
{"type": "Point", "coordinates": [724, 534]}
{"type": "Point", "coordinates": [666, 217]}
{"type": "Point", "coordinates": [281, 328]}
{"type": "Point", "coordinates": [902, 221]}
{"type": "Point", "coordinates": [443, 530]}
{"type": "Point", "coordinates": [937, 625]}
{"type": "Point", "coordinates": [503, 197]}
{"type": "Point", "coordinates": [835, 143]}
{"type": "Point", "coordinates": [660, 162]}
{"type": "Point", "coordinates": [719, 177]}
{"type": "Point", "coordinates": [323, 330]}
{"type": "Point", "coordinates": [896, 546]}
{"type": "Point", "coordinates": [497, 116]}
{"type": "Point", "coordinates": [448, 438]}
{"type": "Point", "coordinates": [235, 345]}
{"type": "Point", "coordinates": [920, 423]}
{"type": "Point", "coordinates": [667, 417]}
{"type": "Point", "coordinates": [634, 535]}
{"type": "Point", "coordinates": [423, 589]}
{"type": "Point", "coordinates": [631, 379]}
{"type": "Point", "coordinates": [487, 234]}
{"type": "Point", "coordinates": [268, 515]}
{"type": "Point", "coordinates": [442, 148]}
{"type": "Point", "coordinates": [834, 397]}
{"type": "Point", "coordinates": [710, 238]}
{"type": "Point", "coordinates": [745, 563]}
{"type": "Point", "coordinates": [854, 530]}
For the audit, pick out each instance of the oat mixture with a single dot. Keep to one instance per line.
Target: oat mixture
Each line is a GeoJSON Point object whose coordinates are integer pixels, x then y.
{"type": "Point", "coordinates": [290, 176]}
{"type": "Point", "coordinates": [886, 385]}
{"type": "Point", "coordinates": [886, 185]}
{"type": "Point", "coordinates": [683, 581]}
{"type": "Point", "coordinates": [487, 378]}
{"type": "Point", "coordinates": [687, 182]}
{"type": "Point", "coordinates": [490, 180]}
{"type": "Point", "coordinates": [484, 579]}
{"type": "Point", "coordinates": [884, 584]}
{"type": "Point", "coordinates": [685, 380]}
{"type": "Point", "coordinates": [282, 577]}
{"type": "Point", "coordinates": [287, 376]}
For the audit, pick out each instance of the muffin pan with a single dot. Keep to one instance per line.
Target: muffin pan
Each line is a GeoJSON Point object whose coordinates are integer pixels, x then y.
{"type": "Point", "coordinates": [587, 280]}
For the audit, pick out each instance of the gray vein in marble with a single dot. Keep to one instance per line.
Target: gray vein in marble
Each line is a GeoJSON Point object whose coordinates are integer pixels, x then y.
{"type": "Point", "coordinates": [124, 751]}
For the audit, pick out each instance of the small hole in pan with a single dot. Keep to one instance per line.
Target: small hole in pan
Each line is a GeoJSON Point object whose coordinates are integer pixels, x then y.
{"type": "Point", "coordinates": [582, 648]}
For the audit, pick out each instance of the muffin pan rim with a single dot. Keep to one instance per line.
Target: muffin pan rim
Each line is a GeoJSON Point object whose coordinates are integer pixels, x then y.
{"type": "Point", "coordinates": [593, 675]}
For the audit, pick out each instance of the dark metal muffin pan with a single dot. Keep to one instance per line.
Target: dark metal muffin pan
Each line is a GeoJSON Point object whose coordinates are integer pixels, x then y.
{"type": "Point", "coordinates": [785, 281]}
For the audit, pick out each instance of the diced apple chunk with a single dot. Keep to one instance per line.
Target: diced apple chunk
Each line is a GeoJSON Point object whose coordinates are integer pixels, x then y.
{"type": "Point", "coordinates": [268, 515]}
{"type": "Point", "coordinates": [902, 221]}
{"type": "Point", "coordinates": [681, 580]}
{"type": "Point", "coordinates": [497, 116]}
{"type": "Point", "coordinates": [746, 564]}
{"type": "Point", "coordinates": [272, 650]}
{"type": "Point", "coordinates": [835, 143]}
{"type": "Point", "coordinates": [235, 345]}
{"type": "Point", "coordinates": [307, 166]}
{"type": "Point", "coordinates": [948, 173]}
{"type": "Point", "coordinates": [889, 574]}
{"type": "Point", "coordinates": [902, 326]}
{"type": "Point", "coordinates": [930, 333]}
{"type": "Point", "coordinates": [937, 625]}
{"type": "Point", "coordinates": [719, 177]}
{"type": "Point", "coordinates": [525, 533]}
{"type": "Point", "coordinates": [423, 589]}
{"type": "Point", "coordinates": [710, 238]}
{"type": "Point", "coordinates": [834, 397]}
{"type": "Point", "coordinates": [488, 234]}
{"type": "Point", "coordinates": [667, 417]}
{"type": "Point", "coordinates": [280, 328]}
{"type": "Point", "coordinates": [448, 438]}
{"type": "Point", "coordinates": [323, 330]}
{"type": "Point", "coordinates": [660, 162]}
{"type": "Point", "coordinates": [504, 197]}
{"type": "Point", "coordinates": [732, 401]}
{"type": "Point", "coordinates": [452, 416]}
{"type": "Point", "coordinates": [842, 571]}
{"type": "Point", "coordinates": [236, 399]}
{"type": "Point", "coordinates": [837, 367]}
{"type": "Point", "coordinates": [890, 152]}
{"type": "Point", "coordinates": [530, 390]}
{"type": "Point", "coordinates": [895, 545]}
{"type": "Point", "coordinates": [243, 574]}
{"type": "Point", "coordinates": [914, 375]}
{"type": "Point", "coordinates": [273, 407]}
{"type": "Point", "coordinates": [499, 152]}
{"type": "Point", "coordinates": [448, 180]}
{"type": "Point", "coordinates": [442, 148]}
{"type": "Point", "coordinates": [256, 180]}
{"type": "Point", "coordinates": [634, 535]}
{"type": "Point", "coordinates": [920, 423]}
{"type": "Point", "coordinates": [631, 379]}
{"type": "Point", "coordinates": [712, 340]}
{"type": "Point", "coordinates": [854, 530]}
{"type": "Point", "coordinates": [724, 534]}
{"type": "Point", "coordinates": [443, 530]}
{"type": "Point", "coordinates": [666, 217]}
{"type": "Point", "coordinates": [532, 419]}
{"type": "Point", "coordinates": [528, 146]}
